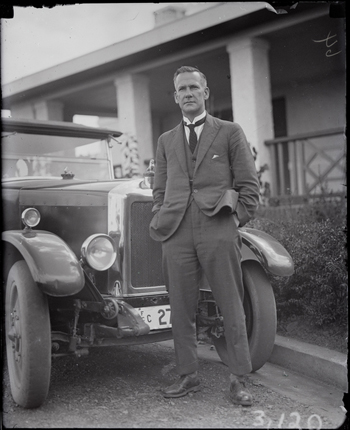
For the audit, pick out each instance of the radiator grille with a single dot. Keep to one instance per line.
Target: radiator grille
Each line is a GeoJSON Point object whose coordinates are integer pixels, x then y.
{"type": "Point", "coordinates": [146, 254]}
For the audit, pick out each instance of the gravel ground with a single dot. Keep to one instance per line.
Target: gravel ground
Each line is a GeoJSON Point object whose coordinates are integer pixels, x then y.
{"type": "Point", "coordinates": [120, 388]}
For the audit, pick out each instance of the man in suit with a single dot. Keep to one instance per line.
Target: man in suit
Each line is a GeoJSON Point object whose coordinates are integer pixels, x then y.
{"type": "Point", "coordinates": [205, 186]}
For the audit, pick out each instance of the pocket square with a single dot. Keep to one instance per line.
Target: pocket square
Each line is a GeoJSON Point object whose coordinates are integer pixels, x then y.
{"type": "Point", "coordinates": [215, 156]}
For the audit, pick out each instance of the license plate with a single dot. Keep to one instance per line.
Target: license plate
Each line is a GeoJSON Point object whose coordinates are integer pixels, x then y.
{"type": "Point", "coordinates": [157, 317]}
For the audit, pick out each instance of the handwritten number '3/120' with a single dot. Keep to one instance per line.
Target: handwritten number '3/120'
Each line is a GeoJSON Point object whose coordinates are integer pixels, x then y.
{"type": "Point", "coordinates": [313, 422]}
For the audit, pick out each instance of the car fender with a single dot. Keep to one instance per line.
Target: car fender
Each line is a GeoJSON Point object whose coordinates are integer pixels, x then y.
{"type": "Point", "coordinates": [53, 265]}
{"type": "Point", "coordinates": [267, 250]}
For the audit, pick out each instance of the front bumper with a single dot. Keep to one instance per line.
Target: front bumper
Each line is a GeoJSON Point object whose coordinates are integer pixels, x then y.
{"type": "Point", "coordinates": [129, 329]}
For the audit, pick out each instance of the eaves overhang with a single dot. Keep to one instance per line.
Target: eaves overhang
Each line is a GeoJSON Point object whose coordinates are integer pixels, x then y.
{"type": "Point", "coordinates": [218, 22]}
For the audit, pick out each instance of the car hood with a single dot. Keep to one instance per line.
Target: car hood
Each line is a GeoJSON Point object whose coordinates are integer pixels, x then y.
{"type": "Point", "coordinates": [57, 183]}
{"type": "Point", "coordinates": [70, 208]}
{"type": "Point", "coordinates": [124, 186]}
{"type": "Point", "coordinates": [54, 193]}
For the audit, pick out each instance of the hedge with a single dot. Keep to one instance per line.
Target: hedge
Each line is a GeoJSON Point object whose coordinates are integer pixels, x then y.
{"type": "Point", "coordinates": [314, 234]}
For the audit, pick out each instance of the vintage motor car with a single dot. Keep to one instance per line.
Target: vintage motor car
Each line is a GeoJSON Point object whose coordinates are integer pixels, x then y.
{"type": "Point", "coordinates": [79, 267]}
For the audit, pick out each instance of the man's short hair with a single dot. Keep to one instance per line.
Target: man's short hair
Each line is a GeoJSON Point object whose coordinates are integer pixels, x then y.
{"type": "Point", "coordinates": [190, 69]}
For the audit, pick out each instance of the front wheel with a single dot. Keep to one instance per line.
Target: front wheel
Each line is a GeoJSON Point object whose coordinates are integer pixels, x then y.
{"type": "Point", "coordinates": [28, 338]}
{"type": "Point", "coordinates": [260, 310]}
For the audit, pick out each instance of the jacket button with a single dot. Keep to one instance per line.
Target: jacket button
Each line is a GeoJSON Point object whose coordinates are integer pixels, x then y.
{"type": "Point", "coordinates": [195, 190]}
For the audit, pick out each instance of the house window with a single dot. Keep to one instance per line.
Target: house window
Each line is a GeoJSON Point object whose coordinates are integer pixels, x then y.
{"type": "Point", "coordinates": [225, 114]}
{"type": "Point", "coordinates": [280, 130]}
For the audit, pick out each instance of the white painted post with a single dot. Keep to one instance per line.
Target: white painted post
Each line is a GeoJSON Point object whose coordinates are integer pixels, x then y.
{"type": "Point", "coordinates": [251, 96]}
{"type": "Point", "coordinates": [134, 112]}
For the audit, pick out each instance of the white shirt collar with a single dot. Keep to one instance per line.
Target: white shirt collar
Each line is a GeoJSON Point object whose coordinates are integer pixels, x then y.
{"type": "Point", "coordinates": [197, 118]}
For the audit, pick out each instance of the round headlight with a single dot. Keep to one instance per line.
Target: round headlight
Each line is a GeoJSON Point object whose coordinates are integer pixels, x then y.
{"type": "Point", "coordinates": [30, 217]}
{"type": "Point", "coordinates": [99, 251]}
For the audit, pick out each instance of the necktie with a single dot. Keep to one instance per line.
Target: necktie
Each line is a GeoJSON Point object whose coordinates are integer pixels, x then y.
{"type": "Point", "coordinates": [193, 135]}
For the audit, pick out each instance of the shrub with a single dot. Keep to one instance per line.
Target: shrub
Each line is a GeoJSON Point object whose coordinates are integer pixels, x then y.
{"type": "Point", "coordinates": [315, 237]}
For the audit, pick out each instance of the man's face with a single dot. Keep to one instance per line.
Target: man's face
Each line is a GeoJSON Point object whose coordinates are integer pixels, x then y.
{"type": "Point", "coordinates": [190, 94]}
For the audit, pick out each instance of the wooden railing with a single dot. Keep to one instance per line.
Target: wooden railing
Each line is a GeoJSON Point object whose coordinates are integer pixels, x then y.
{"type": "Point", "coordinates": [308, 164]}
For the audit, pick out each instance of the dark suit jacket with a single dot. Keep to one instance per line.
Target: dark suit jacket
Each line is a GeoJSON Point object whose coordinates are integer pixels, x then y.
{"type": "Point", "coordinates": [224, 175]}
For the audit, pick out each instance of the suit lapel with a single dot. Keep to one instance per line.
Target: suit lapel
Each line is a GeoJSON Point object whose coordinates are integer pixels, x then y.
{"type": "Point", "coordinates": [209, 132]}
{"type": "Point", "coordinates": [178, 142]}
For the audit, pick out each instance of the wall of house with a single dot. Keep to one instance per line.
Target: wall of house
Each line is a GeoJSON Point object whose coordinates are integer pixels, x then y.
{"type": "Point", "coordinates": [314, 105]}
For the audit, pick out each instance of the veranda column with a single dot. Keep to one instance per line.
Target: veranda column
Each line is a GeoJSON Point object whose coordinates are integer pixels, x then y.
{"type": "Point", "coordinates": [134, 112]}
{"type": "Point", "coordinates": [47, 110]}
{"type": "Point", "coordinates": [23, 110]}
{"type": "Point", "coordinates": [251, 96]}
{"type": "Point", "coordinates": [43, 110]}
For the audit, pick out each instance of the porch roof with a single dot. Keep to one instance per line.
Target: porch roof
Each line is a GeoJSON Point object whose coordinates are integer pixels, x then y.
{"type": "Point", "coordinates": [163, 41]}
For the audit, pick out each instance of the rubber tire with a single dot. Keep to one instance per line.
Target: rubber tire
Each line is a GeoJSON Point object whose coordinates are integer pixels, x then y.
{"type": "Point", "coordinates": [261, 320]}
{"type": "Point", "coordinates": [27, 307]}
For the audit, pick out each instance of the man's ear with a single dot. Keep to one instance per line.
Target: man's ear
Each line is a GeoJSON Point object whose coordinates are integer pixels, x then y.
{"type": "Point", "coordinates": [176, 98]}
{"type": "Point", "coordinates": [206, 93]}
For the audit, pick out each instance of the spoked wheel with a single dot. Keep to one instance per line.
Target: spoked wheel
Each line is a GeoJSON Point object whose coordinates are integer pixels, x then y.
{"type": "Point", "coordinates": [260, 310]}
{"type": "Point", "coordinates": [28, 338]}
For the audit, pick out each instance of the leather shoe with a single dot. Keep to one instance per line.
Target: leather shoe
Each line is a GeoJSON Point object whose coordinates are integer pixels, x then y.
{"type": "Point", "coordinates": [239, 395]}
{"type": "Point", "coordinates": [184, 385]}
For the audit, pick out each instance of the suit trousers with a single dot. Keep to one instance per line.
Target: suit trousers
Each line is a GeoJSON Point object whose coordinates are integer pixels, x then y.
{"type": "Point", "coordinates": [211, 245]}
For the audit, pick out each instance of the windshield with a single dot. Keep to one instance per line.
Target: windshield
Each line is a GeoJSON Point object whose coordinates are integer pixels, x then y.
{"type": "Point", "coordinates": [40, 155]}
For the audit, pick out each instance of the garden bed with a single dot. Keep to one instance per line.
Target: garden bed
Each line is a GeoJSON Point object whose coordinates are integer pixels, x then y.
{"type": "Point", "coordinates": [331, 337]}
{"type": "Point", "coordinates": [312, 304]}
